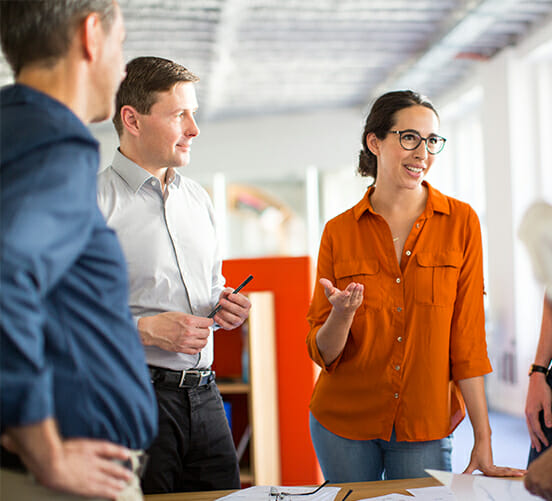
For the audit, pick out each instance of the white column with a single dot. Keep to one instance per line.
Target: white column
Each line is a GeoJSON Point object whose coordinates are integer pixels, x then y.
{"type": "Point", "coordinates": [221, 212]}
{"type": "Point", "coordinates": [511, 175]}
{"type": "Point", "coordinates": [312, 191]}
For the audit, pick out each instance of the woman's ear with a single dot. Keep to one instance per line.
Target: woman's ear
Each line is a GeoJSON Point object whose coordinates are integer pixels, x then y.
{"type": "Point", "coordinates": [373, 143]}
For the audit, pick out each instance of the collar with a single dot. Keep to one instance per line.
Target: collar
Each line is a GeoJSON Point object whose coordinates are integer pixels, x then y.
{"type": "Point", "coordinates": [135, 176]}
{"type": "Point", "coordinates": [436, 202]}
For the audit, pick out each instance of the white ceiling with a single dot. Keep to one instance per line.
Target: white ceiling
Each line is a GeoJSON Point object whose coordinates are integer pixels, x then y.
{"type": "Point", "coordinates": [276, 56]}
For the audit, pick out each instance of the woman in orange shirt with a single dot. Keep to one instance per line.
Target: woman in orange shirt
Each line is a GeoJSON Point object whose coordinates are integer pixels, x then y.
{"type": "Point", "coordinates": [397, 320]}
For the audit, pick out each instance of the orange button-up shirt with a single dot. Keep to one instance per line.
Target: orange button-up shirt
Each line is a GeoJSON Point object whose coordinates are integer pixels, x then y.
{"type": "Point", "coordinates": [420, 328]}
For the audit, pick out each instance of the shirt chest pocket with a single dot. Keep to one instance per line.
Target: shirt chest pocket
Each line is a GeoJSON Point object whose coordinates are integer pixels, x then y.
{"type": "Point", "coordinates": [437, 277]}
{"type": "Point", "coordinates": [365, 272]}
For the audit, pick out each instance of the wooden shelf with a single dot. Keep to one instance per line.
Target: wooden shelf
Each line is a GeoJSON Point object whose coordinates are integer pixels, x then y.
{"type": "Point", "coordinates": [246, 477]}
{"type": "Point", "coordinates": [232, 388]}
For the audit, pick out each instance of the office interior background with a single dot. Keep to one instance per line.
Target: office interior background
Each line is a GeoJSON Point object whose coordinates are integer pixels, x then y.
{"type": "Point", "coordinates": [284, 91]}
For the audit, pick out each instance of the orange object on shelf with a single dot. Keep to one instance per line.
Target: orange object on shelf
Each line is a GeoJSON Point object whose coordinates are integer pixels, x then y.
{"type": "Point", "coordinates": [289, 278]}
{"type": "Point", "coordinates": [228, 349]}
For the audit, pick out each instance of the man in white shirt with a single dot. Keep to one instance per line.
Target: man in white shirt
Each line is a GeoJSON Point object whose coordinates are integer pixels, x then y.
{"type": "Point", "coordinates": [165, 223]}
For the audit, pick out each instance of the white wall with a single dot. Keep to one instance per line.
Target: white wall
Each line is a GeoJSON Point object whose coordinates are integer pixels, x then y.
{"type": "Point", "coordinates": [514, 112]}
{"type": "Point", "coordinates": [266, 147]}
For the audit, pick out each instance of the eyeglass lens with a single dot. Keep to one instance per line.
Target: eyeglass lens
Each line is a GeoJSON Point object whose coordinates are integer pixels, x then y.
{"type": "Point", "coordinates": [410, 140]}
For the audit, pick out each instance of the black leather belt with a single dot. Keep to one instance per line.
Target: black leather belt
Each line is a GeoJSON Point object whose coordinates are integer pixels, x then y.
{"type": "Point", "coordinates": [181, 379]}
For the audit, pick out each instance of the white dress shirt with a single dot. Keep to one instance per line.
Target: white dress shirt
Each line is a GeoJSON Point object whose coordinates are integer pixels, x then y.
{"type": "Point", "coordinates": [170, 244]}
{"type": "Point", "coordinates": [535, 231]}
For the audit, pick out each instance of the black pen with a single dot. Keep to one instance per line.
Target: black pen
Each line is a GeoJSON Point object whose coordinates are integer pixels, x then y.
{"type": "Point", "coordinates": [235, 291]}
{"type": "Point", "coordinates": [347, 495]}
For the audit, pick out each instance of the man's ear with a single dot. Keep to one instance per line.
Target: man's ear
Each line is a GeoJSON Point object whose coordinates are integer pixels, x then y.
{"type": "Point", "coordinates": [92, 35]}
{"type": "Point", "coordinates": [130, 119]}
{"type": "Point", "coordinates": [373, 143]}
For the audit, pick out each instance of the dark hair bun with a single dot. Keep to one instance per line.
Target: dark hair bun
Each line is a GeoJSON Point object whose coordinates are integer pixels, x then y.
{"type": "Point", "coordinates": [367, 164]}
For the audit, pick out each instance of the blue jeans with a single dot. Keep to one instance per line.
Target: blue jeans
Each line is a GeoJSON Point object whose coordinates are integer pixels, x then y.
{"type": "Point", "coordinates": [345, 460]}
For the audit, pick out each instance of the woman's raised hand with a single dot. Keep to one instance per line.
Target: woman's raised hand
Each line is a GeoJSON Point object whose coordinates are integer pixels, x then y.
{"type": "Point", "coordinates": [344, 301]}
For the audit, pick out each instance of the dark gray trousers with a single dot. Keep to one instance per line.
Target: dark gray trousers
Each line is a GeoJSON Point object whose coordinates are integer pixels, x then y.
{"type": "Point", "coordinates": [194, 450]}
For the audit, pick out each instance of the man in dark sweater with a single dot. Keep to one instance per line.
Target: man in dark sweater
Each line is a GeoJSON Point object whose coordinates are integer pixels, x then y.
{"type": "Point", "coordinates": [77, 406]}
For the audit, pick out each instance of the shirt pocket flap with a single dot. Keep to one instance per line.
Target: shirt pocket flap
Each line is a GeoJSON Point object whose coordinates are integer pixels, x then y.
{"type": "Point", "coordinates": [354, 267]}
{"type": "Point", "coordinates": [433, 259]}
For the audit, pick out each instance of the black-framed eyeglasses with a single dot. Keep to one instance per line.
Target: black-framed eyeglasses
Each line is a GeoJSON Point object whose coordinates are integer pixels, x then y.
{"type": "Point", "coordinates": [277, 495]}
{"type": "Point", "coordinates": [410, 139]}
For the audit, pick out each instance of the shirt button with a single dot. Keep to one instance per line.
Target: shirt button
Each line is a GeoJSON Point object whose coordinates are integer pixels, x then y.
{"type": "Point", "coordinates": [399, 339]}
{"type": "Point", "coordinates": [399, 309]}
{"type": "Point", "coordinates": [398, 280]}
{"type": "Point", "coordinates": [417, 225]}
{"type": "Point", "coordinates": [408, 253]}
{"type": "Point", "coordinates": [397, 367]}
{"type": "Point", "coordinates": [396, 395]}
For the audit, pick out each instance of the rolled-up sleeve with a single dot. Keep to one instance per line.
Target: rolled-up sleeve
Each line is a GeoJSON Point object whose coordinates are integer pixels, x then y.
{"type": "Point", "coordinates": [468, 347]}
{"type": "Point", "coordinates": [320, 307]}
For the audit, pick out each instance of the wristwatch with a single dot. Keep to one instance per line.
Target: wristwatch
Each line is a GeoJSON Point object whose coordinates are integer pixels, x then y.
{"type": "Point", "coordinates": [538, 368]}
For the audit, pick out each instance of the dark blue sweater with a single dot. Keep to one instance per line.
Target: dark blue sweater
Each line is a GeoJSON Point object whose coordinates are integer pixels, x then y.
{"type": "Point", "coordinates": [69, 348]}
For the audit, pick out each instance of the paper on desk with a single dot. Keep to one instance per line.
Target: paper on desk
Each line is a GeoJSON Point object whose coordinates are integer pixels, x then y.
{"type": "Point", "coordinates": [436, 493]}
{"type": "Point", "coordinates": [481, 488]}
{"type": "Point", "coordinates": [261, 493]}
{"type": "Point", "coordinates": [390, 497]}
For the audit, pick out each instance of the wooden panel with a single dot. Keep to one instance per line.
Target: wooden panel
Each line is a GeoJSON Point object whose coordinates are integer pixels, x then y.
{"type": "Point", "coordinates": [253, 398]}
{"type": "Point", "coordinates": [263, 396]}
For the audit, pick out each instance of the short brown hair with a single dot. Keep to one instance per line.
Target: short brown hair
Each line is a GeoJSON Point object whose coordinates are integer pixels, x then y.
{"type": "Point", "coordinates": [41, 32]}
{"type": "Point", "coordinates": [145, 77]}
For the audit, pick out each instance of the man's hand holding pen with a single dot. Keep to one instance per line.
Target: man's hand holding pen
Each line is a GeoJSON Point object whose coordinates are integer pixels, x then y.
{"type": "Point", "coordinates": [184, 333]}
{"type": "Point", "coordinates": [234, 309]}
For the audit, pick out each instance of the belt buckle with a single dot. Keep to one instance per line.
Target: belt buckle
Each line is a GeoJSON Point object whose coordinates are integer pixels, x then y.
{"type": "Point", "coordinates": [182, 378]}
{"type": "Point", "coordinates": [136, 463]}
{"type": "Point", "coordinates": [201, 377]}
{"type": "Point", "coordinates": [204, 376]}
{"type": "Point", "coordinates": [143, 458]}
